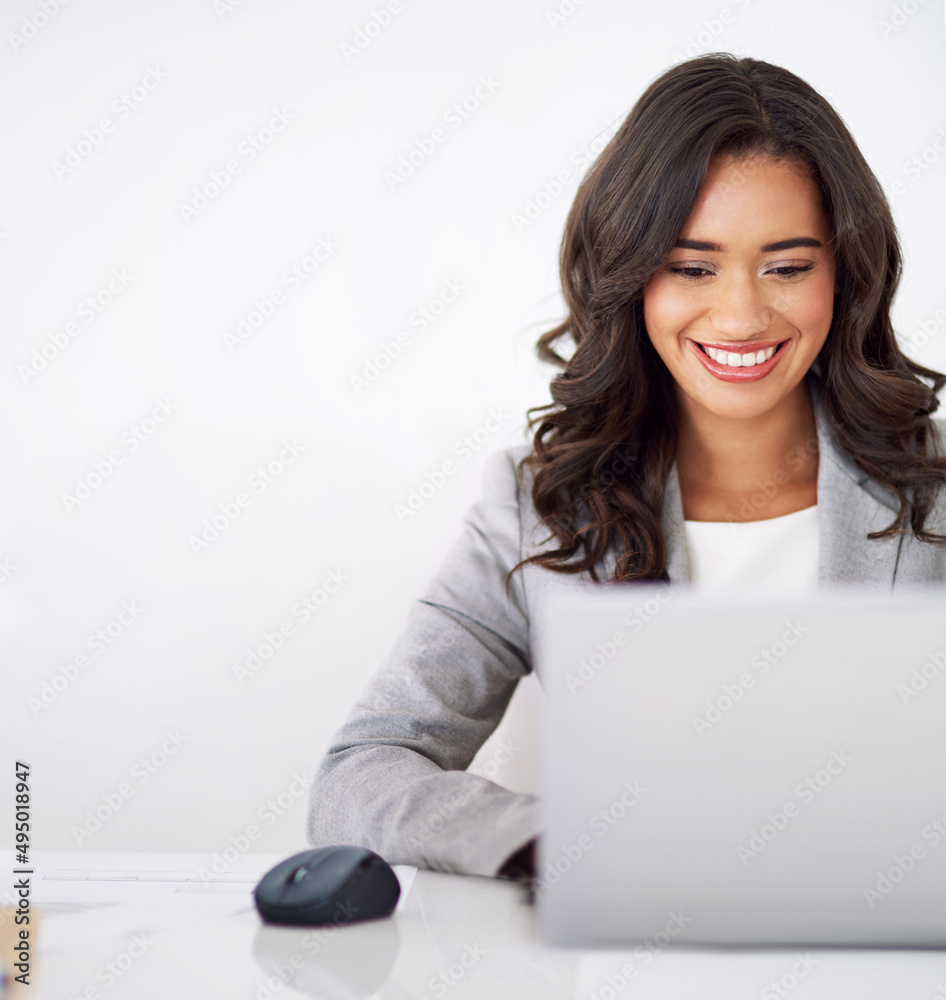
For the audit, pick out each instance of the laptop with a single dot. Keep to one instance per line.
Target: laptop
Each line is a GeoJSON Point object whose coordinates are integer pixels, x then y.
{"type": "Point", "coordinates": [742, 770]}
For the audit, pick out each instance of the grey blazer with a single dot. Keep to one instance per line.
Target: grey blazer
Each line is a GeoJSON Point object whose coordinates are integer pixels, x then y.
{"type": "Point", "coordinates": [394, 778]}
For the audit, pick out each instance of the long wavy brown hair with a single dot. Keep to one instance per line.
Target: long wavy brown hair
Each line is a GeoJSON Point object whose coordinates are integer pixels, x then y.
{"type": "Point", "coordinates": [605, 446]}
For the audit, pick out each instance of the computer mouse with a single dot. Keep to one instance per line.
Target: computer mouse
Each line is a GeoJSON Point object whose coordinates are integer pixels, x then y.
{"type": "Point", "coordinates": [328, 885]}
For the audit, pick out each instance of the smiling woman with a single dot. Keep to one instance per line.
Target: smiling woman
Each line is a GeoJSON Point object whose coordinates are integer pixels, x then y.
{"type": "Point", "coordinates": [739, 327]}
{"type": "Point", "coordinates": [753, 224]}
{"type": "Point", "coordinates": [728, 267]}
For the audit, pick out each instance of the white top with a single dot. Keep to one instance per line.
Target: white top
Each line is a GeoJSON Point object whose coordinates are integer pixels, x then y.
{"type": "Point", "coordinates": [780, 553]}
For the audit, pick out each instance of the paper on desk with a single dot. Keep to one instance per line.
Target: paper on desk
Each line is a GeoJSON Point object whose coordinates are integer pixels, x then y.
{"type": "Point", "coordinates": [138, 907]}
{"type": "Point", "coordinates": [405, 875]}
{"type": "Point", "coordinates": [86, 928]}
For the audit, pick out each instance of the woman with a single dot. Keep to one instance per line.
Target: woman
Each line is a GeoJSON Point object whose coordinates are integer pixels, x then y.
{"type": "Point", "coordinates": [735, 386]}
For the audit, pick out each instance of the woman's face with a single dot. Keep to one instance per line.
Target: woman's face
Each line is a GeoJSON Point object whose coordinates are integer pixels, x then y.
{"type": "Point", "coordinates": [741, 307]}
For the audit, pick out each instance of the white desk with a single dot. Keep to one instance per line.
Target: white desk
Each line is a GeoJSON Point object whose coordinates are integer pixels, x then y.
{"type": "Point", "coordinates": [452, 936]}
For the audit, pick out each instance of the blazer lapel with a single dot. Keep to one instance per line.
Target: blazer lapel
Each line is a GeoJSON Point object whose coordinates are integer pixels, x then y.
{"type": "Point", "coordinates": [851, 504]}
{"type": "Point", "coordinates": [672, 524]}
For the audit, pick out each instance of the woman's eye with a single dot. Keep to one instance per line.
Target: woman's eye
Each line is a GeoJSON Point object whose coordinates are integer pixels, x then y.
{"type": "Point", "coordinates": [690, 272]}
{"type": "Point", "coordinates": [693, 272]}
{"type": "Point", "coordinates": [790, 272]}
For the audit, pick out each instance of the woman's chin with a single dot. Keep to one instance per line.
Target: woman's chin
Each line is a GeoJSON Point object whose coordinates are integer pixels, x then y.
{"type": "Point", "coordinates": [738, 402]}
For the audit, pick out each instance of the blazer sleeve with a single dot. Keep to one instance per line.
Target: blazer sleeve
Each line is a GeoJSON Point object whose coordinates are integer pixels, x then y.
{"type": "Point", "coordinates": [394, 778]}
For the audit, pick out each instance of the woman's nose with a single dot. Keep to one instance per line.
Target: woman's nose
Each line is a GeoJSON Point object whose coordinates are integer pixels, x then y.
{"type": "Point", "coordinates": [741, 309]}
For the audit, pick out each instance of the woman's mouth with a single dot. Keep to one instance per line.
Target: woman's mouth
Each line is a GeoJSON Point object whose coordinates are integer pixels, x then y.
{"type": "Point", "coordinates": [739, 363]}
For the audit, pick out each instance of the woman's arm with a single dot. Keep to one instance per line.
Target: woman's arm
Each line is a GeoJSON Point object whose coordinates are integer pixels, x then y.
{"type": "Point", "coordinates": [394, 779]}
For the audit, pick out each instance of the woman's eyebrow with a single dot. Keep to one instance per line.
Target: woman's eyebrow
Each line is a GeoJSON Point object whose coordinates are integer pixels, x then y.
{"type": "Point", "coordinates": [798, 241]}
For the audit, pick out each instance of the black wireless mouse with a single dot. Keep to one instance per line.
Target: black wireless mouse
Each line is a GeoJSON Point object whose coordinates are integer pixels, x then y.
{"type": "Point", "coordinates": [328, 885]}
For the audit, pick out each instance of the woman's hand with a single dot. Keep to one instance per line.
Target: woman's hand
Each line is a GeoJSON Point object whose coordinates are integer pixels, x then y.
{"type": "Point", "coordinates": [520, 865]}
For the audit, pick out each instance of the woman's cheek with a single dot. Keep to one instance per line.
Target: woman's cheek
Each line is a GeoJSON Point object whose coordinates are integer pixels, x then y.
{"type": "Point", "coordinates": [666, 309]}
{"type": "Point", "coordinates": [810, 307]}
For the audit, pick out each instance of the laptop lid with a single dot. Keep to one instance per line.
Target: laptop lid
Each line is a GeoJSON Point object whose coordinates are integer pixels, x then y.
{"type": "Point", "coordinates": [743, 770]}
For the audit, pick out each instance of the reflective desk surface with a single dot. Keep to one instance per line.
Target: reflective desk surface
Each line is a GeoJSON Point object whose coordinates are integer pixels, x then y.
{"type": "Point", "coordinates": [142, 926]}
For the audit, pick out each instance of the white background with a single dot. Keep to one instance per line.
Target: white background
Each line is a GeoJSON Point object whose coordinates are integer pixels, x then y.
{"type": "Point", "coordinates": [556, 83]}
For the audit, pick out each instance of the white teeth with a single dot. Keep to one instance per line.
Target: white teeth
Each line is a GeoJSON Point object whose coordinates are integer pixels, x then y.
{"type": "Point", "coordinates": [739, 360]}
